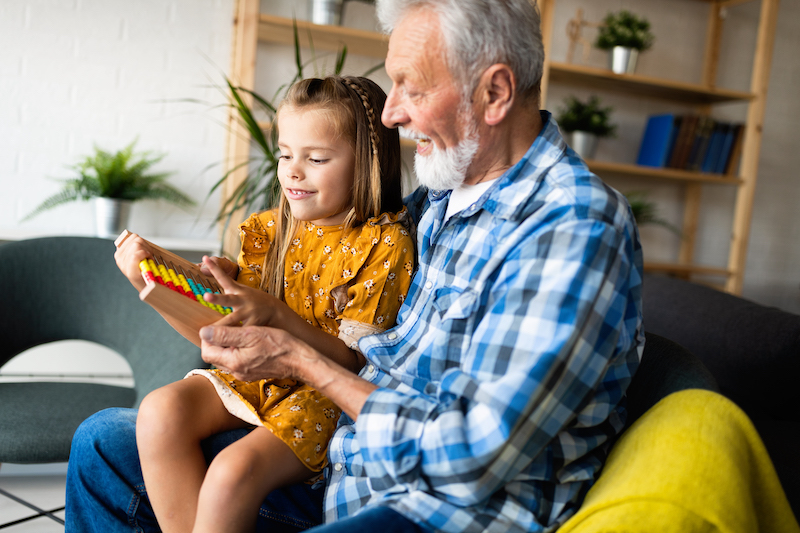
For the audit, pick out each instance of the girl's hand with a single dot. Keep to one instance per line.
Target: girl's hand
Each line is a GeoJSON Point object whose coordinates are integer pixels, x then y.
{"type": "Point", "coordinates": [230, 268]}
{"type": "Point", "coordinates": [251, 307]}
{"type": "Point", "coordinates": [128, 256]}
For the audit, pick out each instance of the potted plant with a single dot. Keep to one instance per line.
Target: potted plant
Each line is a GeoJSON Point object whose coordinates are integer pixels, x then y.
{"type": "Point", "coordinates": [646, 212]}
{"type": "Point", "coordinates": [624, 35]}
{"type": "Point", "coordinates": [584, 123]}
{"type": "Point", "coordinates": [115, 181]}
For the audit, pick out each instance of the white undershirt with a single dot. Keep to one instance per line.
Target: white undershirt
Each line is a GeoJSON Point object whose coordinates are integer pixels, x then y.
{"type": "Point", "coordinates": [465, 196]}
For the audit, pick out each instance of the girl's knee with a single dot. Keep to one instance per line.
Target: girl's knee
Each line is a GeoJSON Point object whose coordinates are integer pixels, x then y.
{"type": "Point", "coordinates": [163, 413]}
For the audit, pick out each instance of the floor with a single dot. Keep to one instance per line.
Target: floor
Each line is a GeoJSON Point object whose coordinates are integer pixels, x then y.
{"type": "Point", "coordinates": [43, 491]}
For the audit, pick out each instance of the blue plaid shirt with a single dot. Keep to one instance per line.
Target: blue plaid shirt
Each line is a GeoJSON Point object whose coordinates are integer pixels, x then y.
{"type": "Point", "coordinates": [502, 385]}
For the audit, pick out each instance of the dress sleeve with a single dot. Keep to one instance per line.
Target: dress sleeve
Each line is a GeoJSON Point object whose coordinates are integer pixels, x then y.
{"type": "Point", "coordinates": [379, 283]}
{"type": "Point", "coordinates": [256, 233]}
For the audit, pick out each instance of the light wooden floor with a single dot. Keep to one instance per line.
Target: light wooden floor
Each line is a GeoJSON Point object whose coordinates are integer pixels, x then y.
{"type": "Point", "coordinates": [43, 491]}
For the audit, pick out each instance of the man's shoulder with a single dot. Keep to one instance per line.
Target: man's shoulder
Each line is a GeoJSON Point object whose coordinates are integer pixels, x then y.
{"type": "Point", "coordinates": [570, 188]}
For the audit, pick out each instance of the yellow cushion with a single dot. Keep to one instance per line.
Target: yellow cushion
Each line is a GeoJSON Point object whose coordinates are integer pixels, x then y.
{"type": "Point", "coordinates": [692, 463]}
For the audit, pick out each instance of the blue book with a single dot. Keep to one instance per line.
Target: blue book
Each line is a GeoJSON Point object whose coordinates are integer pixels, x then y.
{"type": "Point", "coordinates": [725, 151]}
{"type": "Point", "coordinates": [714, 147]}
{"type": "Point", "coordinates": [657, 141]}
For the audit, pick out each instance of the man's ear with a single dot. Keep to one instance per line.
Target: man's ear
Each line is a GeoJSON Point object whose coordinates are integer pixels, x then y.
{"type": "Point", "coordinates": [498, 88]}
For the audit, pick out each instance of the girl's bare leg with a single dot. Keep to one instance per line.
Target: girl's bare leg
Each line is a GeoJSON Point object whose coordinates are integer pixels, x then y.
{"type": "Point", "coordinates": [239, 479]}
{"type": "Point", "coordinates": [171, 424]}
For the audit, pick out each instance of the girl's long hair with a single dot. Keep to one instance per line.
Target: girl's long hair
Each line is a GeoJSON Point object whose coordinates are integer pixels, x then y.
{"type": "Point", "coordinates": [354, 106]}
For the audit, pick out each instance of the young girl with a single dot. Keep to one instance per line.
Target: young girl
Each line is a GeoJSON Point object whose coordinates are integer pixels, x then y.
{"type": "Point", "coordinates": [334, 260]}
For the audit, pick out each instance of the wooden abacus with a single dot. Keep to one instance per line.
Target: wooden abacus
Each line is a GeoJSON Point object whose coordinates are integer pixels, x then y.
{"type": "Point", "coordinates": [174, 287]}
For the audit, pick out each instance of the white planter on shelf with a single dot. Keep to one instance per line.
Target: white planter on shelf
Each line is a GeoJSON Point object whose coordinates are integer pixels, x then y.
{"type": "Point", "coordinates": [584, 143]}
{"type": "Point", "coordinates": [112, 216]}
{"type": "Point", "coordinates": [328, 12]}
{"type": "Point", "coordinates": [622, 60]}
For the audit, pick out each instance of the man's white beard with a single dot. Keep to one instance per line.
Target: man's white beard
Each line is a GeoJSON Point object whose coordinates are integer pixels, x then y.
{"type": "Point", "coordinates": [445, 169]}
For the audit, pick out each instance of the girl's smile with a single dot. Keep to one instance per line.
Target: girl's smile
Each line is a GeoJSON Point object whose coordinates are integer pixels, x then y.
{"type": "Point", "coordinates": [316, 166]}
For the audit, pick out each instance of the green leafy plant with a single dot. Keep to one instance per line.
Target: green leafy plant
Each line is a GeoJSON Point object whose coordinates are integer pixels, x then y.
{"type": "Point", "coordinates": [587, 116]}
{"type": "Point", "coordinates": [123, 175]}
{"type": "Point", "coordinates": [646, 212]}
{"type": "Point", "coordinates": [623, 28]}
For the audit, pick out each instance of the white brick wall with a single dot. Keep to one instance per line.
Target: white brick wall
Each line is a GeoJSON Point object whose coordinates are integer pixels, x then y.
{"type": "Point", "coordinates": [75, 73]}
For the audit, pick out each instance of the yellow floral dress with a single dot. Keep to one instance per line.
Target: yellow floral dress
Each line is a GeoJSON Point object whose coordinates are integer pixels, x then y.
{"type": "Point", "coordinates": [347, 284]}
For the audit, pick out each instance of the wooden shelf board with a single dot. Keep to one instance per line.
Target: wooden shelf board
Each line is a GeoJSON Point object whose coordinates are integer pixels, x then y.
{"type": "Point", "coordinates": [675, 268]}
{"type": "Point", "coordinates": [274, 29]}
{"type": "Point", "coordinates": [623, 169]}
{"type": "Point", "coordinates": [605, 79]}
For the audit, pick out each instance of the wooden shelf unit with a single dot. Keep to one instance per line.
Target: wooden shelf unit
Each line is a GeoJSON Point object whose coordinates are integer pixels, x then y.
{"type": "Point", "coordinates": [703, 96]}
{"type": "Point", "coordinates": [250, 27]}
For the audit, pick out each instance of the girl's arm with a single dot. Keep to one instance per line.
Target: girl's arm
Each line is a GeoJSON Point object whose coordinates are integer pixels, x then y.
{"type": "Point", "coordinates": [253, 307]}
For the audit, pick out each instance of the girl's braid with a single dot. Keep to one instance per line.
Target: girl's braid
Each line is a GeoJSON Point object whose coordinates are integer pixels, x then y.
{"type": "Point", "coordinates": [373, 134]}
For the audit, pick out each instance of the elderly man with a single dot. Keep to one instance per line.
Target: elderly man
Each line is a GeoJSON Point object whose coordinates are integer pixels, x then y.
{"type": "Point", "coordinates": [492, 404]}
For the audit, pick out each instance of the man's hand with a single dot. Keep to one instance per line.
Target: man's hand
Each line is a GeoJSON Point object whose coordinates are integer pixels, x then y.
{"type": "Point", "coordinates": [251, 307]}
{"type": "Point", "coordinates": [258, 352]}
{"type": "Point", "coordinates": [251, 353]}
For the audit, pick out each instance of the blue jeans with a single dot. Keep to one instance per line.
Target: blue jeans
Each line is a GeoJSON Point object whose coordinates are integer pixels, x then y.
{"type": "Point", "coordinates": [106, 493]}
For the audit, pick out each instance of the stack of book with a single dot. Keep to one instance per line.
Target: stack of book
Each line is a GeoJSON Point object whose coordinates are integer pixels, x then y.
{"type": "Point", "coordinates": [691, 142]}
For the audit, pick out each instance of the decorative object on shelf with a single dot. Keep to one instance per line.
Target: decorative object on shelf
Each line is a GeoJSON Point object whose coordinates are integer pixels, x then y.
{"type": "Point", "coordinates": [115, 181]}
{"type": "Point", "coordinates": [584, 123]}
{"type": "Point", "coordinates": [574, 34]}
{"type": "Point", "coordinates": [327, 12]}
{"type": "Point", "coordinates": [646, 212]}
{"type": "Point", "coordinates": [624, 35]}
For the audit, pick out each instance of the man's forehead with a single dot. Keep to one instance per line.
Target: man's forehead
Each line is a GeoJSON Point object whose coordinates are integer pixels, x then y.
{"type": "Point", "coordinates": [415, 41]}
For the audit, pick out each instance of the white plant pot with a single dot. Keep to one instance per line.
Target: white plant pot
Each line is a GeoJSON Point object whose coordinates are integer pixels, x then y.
{"type": "Point", "coordinates": [622, 60]}
{"type": "Point", "coordinates": [327, 12]}
{"type": "Point", "coordinates": [584, 143]}
{"type": "Point", "coordinates": [112, 216]}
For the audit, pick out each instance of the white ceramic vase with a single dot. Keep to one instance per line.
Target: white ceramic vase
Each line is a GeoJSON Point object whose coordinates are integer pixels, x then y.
{"type": "Point", "coordinates": [327, 12]}
{"type": "Point", "coordinates": [622, 60]}
{"type": "Point", "coordinates": [111, 216]}
{"type": "Point", "coordinates": [584, 143]}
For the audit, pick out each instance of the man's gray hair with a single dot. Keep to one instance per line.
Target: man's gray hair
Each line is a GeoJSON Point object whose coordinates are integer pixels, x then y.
{"type": "Point", "coordinates": [480, 33]}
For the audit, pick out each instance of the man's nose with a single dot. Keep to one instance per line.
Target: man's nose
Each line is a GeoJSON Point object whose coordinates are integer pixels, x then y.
{"type": "Point", "coordinates": [394, 113]}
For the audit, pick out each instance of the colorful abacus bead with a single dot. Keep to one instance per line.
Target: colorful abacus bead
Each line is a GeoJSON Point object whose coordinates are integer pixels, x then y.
{"type": "Point", "coordinates": [153, 272]}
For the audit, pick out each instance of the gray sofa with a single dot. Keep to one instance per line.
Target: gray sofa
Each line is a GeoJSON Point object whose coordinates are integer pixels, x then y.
{"type": "Point", "coordinates": [752, 353]}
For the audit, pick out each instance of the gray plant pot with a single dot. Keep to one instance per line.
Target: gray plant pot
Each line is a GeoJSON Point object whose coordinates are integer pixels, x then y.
{"type": "Point", "coordinates": [584, 143]}
{"type": "Point", "coordinates": [112, 216]}
{"type": "Point", "coordinates": [325, 11]}
{"type": "Point", "coordinates": [622, 60]}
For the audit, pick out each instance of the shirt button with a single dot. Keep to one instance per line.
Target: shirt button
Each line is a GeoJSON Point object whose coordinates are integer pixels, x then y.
{"type": "Point", "coordinates": [392, 336]}
{"type": "Point", "coordinates": [371, 369]}
{"type": "Point", "coordinates": [429, 285]}
{"type": "Point", "coordinates": [338, 467]}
